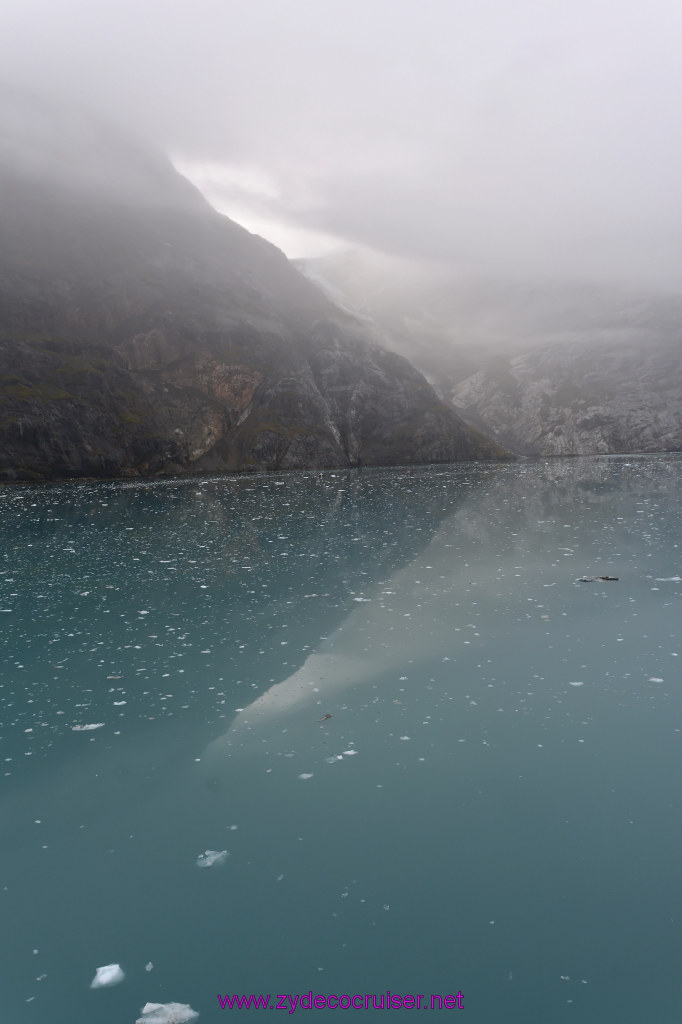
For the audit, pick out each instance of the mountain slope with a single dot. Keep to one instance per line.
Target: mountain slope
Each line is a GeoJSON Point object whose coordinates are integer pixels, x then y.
{"type": "Point", "coordinates": [142, 332]}
{"type": "Point", "coordinates": [545, 368]}
{"type": "Point", "coordinates": [611, 398]}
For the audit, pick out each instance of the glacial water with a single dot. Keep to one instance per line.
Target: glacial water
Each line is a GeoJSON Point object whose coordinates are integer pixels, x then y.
{"type": "Point", "coordinates": [344, 733]}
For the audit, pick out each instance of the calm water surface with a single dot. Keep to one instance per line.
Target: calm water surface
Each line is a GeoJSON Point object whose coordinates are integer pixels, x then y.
{"type": "Point", "coordinates": [493, 806]}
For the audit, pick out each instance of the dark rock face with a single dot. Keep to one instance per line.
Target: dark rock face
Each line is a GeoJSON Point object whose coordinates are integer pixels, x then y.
{"type": "Point", "coordinates": [142, 332]}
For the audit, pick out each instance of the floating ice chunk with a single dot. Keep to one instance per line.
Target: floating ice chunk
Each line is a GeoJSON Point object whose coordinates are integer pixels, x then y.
{"type": "Point", "coordinates": [405, 737]}
{"type": "Point", "coordinates": [209, 858]}
{"type": "Point", "coordinates": [149, 966]}
{"type": "Point", "coordinates": [349, 753]}
{"type": "Point", "coordinates": [576, 682]}
{"type": "Point", "coordinates": [655, 679]}
{"type": "Point", "coordinates": [87, 728]}
{"type": "Point", "coordinates": [109, 975]}
{"type": "Point", "coordinates": [166, 1013]}
{"type": "Point", "coordinates": [669, 579]}
{"type": "Point", "coordinates": [306, 775]}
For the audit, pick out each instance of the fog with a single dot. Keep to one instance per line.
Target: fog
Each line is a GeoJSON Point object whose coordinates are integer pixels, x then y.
{"type": "Point", "coordinates": [533, 139]}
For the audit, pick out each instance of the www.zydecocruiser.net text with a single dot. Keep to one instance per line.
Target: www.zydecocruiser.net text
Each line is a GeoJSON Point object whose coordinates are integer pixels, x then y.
{"type": "Point", "coordinates": [372, 1001]}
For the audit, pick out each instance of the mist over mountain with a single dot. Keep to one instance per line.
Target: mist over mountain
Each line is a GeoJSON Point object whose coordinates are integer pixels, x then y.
{"type": "Point", "coordinates": [142, 332]}
{"type": "Point", "coordinates": [529, 139]}
{"type": "Point", "coordinates": [547, 368]}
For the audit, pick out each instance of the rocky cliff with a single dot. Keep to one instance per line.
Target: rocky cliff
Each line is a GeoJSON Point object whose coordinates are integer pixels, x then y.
{"type": "Point", "coordinates": [141, 332]}
{"type": "Point", "coordinates": [618, 396]}
{"type": "Point", "coordinates": [545, 368]}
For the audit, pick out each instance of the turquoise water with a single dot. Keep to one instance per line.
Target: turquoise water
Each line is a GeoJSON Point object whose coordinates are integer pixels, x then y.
{"type": "Point", "coordinates": [492, 807]}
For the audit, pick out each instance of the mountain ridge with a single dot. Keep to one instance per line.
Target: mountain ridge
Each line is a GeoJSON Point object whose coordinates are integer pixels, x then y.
{"type": "Point", "coordinates": [143, 336]}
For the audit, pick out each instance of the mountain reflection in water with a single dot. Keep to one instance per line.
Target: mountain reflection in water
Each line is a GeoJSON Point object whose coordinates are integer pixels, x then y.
{"type": "Point", "coordinates": [419, 755]}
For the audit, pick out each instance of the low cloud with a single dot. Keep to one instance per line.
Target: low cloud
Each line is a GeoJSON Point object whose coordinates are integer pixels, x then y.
{"type": "Point", "coordinates": [522, 139]}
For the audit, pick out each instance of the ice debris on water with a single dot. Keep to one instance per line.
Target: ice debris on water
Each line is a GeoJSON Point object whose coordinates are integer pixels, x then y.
{"type": "Point", "coordinates": [576, 682]}
{"type": "Point", "coordinates": [109, 975]}
{"type": "Point", "coordinates": [87, 728]}
{"type": "Point", "coordinates": [149, 966]}
{"type": "Point", "coordinates": [210, 858]}
{"type": "Point", "coordinates": [306, 775]}
{"type": "Point", "coordinates": [166, 1013]}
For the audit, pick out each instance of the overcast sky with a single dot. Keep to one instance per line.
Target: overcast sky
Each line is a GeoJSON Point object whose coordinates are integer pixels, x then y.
{"type": "Point", "coordinates": [496, 136]}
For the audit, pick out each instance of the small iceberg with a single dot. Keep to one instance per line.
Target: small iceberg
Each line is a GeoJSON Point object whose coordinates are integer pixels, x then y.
{"type": "Point", "coordinates": [109, 975]}
{"type": "Point", "coordinates": [209, 859]}
{"type": "Point", "coordinates": [166, 1013]}
{"type": "Point", "coordinates": [87, 728]}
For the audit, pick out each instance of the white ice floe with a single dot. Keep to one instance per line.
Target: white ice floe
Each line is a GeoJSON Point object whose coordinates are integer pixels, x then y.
{"type": "Point", "coordinates": [576, 682]}
{"type": "Point", "coordinates": [87, 728]}
{"type": "Point", "coordinates": [210, 858]}
{"type": "Point", "coordinates": [166, 1013]}
{"type": "Point", "coordinates": [306, 775]}
{"type": "Point", "coordinates": [669, 579]}
{"type": "Point", "coordinates": [109, 975]}
{"type": "Point", "coordinates": [149, 966]}
{"type": "Point", "coordinates": [349, 753]}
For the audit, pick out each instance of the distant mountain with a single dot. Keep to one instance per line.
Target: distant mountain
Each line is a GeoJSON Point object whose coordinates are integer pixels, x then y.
{"type": "Point", "coordinates": [545, 368]}
{"type": "Point", "coordinates": [142, 332]}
